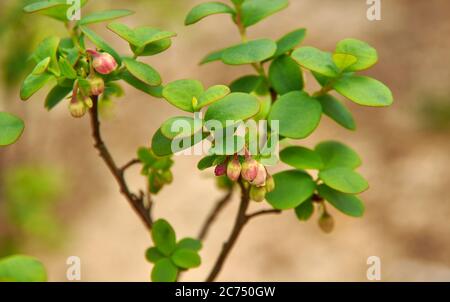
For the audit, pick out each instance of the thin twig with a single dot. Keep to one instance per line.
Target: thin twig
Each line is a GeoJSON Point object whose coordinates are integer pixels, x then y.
{"type": "Point", "coordinates": [137, 202]}
{"type": "Point", "coordinates": [214, 213]}
{"type": "Point", "coordinates": [130, 164]}
{"type": "Point", "coordinates": [263, 212]}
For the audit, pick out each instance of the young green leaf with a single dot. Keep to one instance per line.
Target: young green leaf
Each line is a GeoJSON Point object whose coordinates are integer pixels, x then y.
{"type": "Point", "coordinates": [101, 44]}
{"type": "Point", "coordinates": [19, 268]}
{"type": "Point", "coordinates": [163, 236]}
{"type": "Point", "coordinates": [180, 126]}
{"type": "Point", "coordinates": [254, 11]}
{"type": "Point", "coordinates": [190, 243]}
{"type": "Point", "coordinates": [164, 271]}
{"type": "Point", "coordinates": [236, 106]}
{"type": "Point", "coordinates": [364, 91]}
{"type": "Point", "coordinates": [206, 9]}
{"type": "Point", "coordinates": [336, 154]}
{"type": "Point", "coordinates": [41, 67]}
{"type": "Point", "coordinates": [104, 16]}
{"type": "Point", "coordinates": [143, 72]}
{"type": "Point", "coordinates": [61, 10]}
{"type": "Point", "coordinates": [291, 189]}
{"type": "Point", "coordinates": [344, 180]}
{"type": "Point", "coordinates": [183, 93]}
{"type": "Point", "coordinates": [162, 146]}
{"type": "Point", "coordinates": [285, 75]}
{"type": "Point", "coordinates": [346, 203]}
{"type": "Point", "coordinates": [186, 258]}
{"type": "Point", "coordinates": [11, 128]}
{"type": "Point", "coordinates": [153, 48]}
{"type": "Point", "coordinates": [212, 95]}
{"type": "Point", "coordinates": [337, 111]}
{"type": "Point", "coordinates": [140, 36]}
{"type": "Point", "coordinates": [344, 61]}
{"type": "Point", "coordinates": [155, 91]}
{"type": "Point", "coordinates": [153, 255]}
{"type": "Point", "coordinates": [305, 210]}
{"type": "Point", "coordinates": [366, 56]}
{"type": "Point", "coordinates": [56, 95]}
{"type": "Point", "coordinates": [42, 5]}
{"type": "Point", "coordinates": [32, 84]}
{"type": "Point", "coordinates": [247, 84]}
{"type": "Point", "coordinates": [289, 41]}
{"type": "Point", "coordinates": [48, 49]}
{"type": "Point", "coordinates": [297, 113]}
{"type": "Point", "coordinates": [301, 158]}
{"type": "Point", "coordinates": [207, 162]}
{"type": "Point", "coordinates": [249, 52]}
{"type": "Point", "coordinates": [316, 60]}
{"type": "Point", "coordinates": [213, 56]}
{"type": "Point", "coordinates": [67, 69]}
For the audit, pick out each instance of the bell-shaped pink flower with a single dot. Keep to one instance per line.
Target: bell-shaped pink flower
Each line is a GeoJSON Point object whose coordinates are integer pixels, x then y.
{"type": "Point", "coordinates": [261, 175]}
{"type": "Point", "coordinates": [220, 169]}
{"type": "Point", "coordinates": [97, 85]}
{"type": "Point", "coordinates": [103, 62]}
{"type": "Point", "coordinates": [249, 169]}
{"type": "Point", "coordinates": [234, 169]}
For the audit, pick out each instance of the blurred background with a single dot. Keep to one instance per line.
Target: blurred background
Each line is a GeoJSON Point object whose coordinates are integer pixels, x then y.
{"type": "Point", "coordinates": [57, 198]}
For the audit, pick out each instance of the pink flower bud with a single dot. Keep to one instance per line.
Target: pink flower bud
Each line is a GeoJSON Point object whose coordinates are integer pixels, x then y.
{"type": "Point", "coordinates": [97, 85]}
{"type": "Point", "coordinates": [261, 175]}
{"type": "Point", "coordinates": [257, 194]}
{"type": "Point", "coordinates": [249, 169]}
{"type": "Point", "coordinates": [103, 62]}
{"type": "Point", "coordinates": [234, 169]}
{"type": "Point", "coordinates": [270, 183]}
{"type": "Point", "coordinates": [220, 169]}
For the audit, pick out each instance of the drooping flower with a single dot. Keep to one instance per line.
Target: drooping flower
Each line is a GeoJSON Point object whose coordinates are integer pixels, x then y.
{"type": "Point", "coordinates": [234, 169]}
{"type": "Point", "coordinates": [220, 169]}
{"type": "Point", "coordinates": [261, 175]}
{"type": "Point", "coordinates": [97, 85]}
{"type": "Point", "coordinates": [257, 194]}
{"type": "Point", "coordinates": [249, 169]}
{"type": "Point", "coordinates": [102, 62]}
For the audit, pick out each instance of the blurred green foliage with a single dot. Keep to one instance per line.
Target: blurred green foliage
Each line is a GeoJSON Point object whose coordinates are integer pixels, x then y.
{"type": "Point", "coordinates": [28, 202]}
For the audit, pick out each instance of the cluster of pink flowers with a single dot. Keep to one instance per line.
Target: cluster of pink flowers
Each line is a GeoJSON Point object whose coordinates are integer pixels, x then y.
{"type": "Point", "coordinates": [251, 171]}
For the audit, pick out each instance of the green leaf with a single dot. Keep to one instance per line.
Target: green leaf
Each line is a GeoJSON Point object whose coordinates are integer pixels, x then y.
{"type": "Point", "coordinates": [183, 93]}
{"type": "Point", "coordinates": [162, 146]}
{"type": "Point", "coordinates": [346, 203]}
{"type": "Point", "coordinates": [67, 69]}
{"type": "Point", "coordinates": [48, 49]}
{"type": "Point", "coordinates": [366, 56]}
{"type": "Point", "coordinates": [190, 243]}
{"type": "Point", "coordinates": [32, 84]}
{"type": "Point", "coordinates": [344, 61]}
{"type": "Point", "coordinates": [60, 11]}
{"type": "Point", "coordinates": [206, 9]}
{"type": "Point", "coordinates": [143, 72]}
{"type": "Point", "coordinates": [316, 60]}
{"type": "Point", "coordinates": [163, 236]}
{"type": "Point", "coordinates": [41, 67]}
{"type": "Point", "coordinates": [344, 179]}
{"type": "Point", "coordinates": [298, 114]}
{"type": "Point", "coordinates": [11, 128]}
{"type": "Point", "coordinates": [186, 258]}
{"type": "Point", "coordinates": [19, 268]}
{"type": "Point", "coordinates": [42, 5]}
{"type": "Point", "coordinates": [207, 162]}
{"type": "Point", "coordinates": [155, 91]}
{"type": "Point", "coordinates": [140, 36]}
{"type": "Point", "coordinates": [364, 91]}
{"type": "Point", "coordinates": [305, 210]}
{"type": "Point", "coordinates": [236, 106]}
{"type": "Point", "coordinates": [301, 158]}
{"type": "Point", "coordinates": [285, 75]}
{"type": "Point", "coordinates": [101, 44]}
{"type": "Point", "coordinates": [153, 255]}
{"type": "Point", "coordinates": [254, 11]}
{"type": "Point", "coordinates": [289, 41]}
{"type": "Point", "coordinates": [56, 95]}
{"type": "Point", "coordinates": [228, 145]}
{"type": "Point", "coordinates": [213, 56]}
{"type": "Point", "coordinates": [336, 154]}
{"type": "Point", "coordinates": [164, 271]}
{"type": "Point", "coordinates": [211, 95]}
{"type": "Point", "coordinates": [337, 111]}
{"type": "Point", "coordinates": [105, 16]}
{"type": "Point", "coordinates": [249, 52]}
{"type": "Point", "coordinates": [247, 84]}
{"type": "Point", "coordinates": [291, 189]}
{"type": "Point", "coordinates": [181, 126]}
{"type": "Point", "coordinates": [153, 48]}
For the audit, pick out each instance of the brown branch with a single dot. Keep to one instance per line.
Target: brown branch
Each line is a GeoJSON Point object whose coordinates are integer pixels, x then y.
{"type": "Point", "coordinates": [263, 212]}
{"type": "Point", "coordinates": [214, 213]}
{"type": "Point", "coordinates": [136, 202]}
{"type": "Point", "coordinates": [129, 164]}
{"type": "Point", "coordinates": [241, 220]}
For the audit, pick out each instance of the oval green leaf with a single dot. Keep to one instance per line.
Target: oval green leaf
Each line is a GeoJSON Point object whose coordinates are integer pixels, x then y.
{"type": "Point", "coordinates": [105, 16]}
{"type": "Point", "coordinates": [211, 95]}
{"type": "Point", "coordinates": [190, 243]}
{"type": "Point", "coordinates": [32, 84]}
{"type": "Point", "coordinates": [181, 126]}
{"type": "Point", "coordinates": [249, 52]}
{"type": "Point", "coordinates": [236, 106]}
{"type": "Point", "coordinates": [143, 72]}
{"type": "Point", "coordinates": [301, 158]}
{"type": "Point", "coordinates": [291, 189]}
{"type": "Point", "coordinates": [254, 11]}
{"type": "Point", "coordinates": [297, 113]}
{"type": "Point", "coordinates": [186, 258]}
{"type": "Point", "coordinates": [289, 41]}
{"type": "Point", "coordinates": [305, 210]}
{"type": "Point", "coordinates": [366, 56]}
{"type": "Point", "coordinates": [11, 128]}
{"type": "Point", "coordinates": [337, 111]}
{"type": "Point", "coordinates": [207, 9]}
{"type": "Point", "coordinates": [164, 271]}
{"type": "Point", "coordinates": [183, 93]}
{"type": "Point", "coordinates": [344, 180]}
{"type": "Point", "coordinates": [364, 91]}
{"type": "Point", "coordinates": [336, 154]}
{"type": "Point", "coordinates": [56, 95]}
{"type": "Point", "coordinates": [19, 268]}
{"type": "Point", "coordinates": [316, 60]}
{"type": "Point", "coordinates": [346, 203]}
{"type": "Point", "coordinates": [163, 237]}
{"type": "Point", "coordinates": [153, 255]}
{"type": "Point", "coordinates": [285, 75]}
